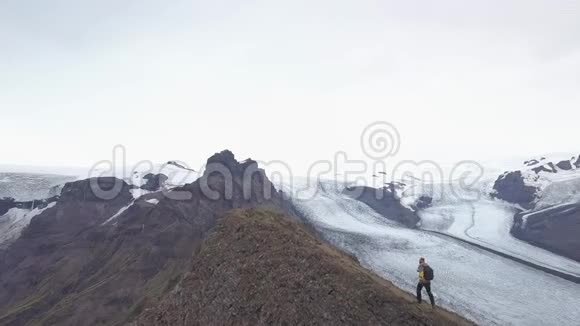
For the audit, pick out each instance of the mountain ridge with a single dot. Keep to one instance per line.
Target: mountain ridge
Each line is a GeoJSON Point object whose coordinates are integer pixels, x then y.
{"type": "Point", "coordinates": [274, 271]}
{"type": "Point", "coordinates": [69, 268]}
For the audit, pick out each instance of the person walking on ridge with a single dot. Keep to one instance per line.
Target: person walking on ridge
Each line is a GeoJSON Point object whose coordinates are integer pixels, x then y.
{"type": "Point", "coordinates": [425, 277]}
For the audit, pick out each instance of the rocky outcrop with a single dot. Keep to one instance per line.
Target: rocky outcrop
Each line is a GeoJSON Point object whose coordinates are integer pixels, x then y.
{"type": "Point", "coordinates": [95, 190]}
{"type": "Point", "coordinates": [262, 268]}
{"type": "Point", "coordinates": [385, 202]}
{"type": "Point", "coordinates": [555, 229]}
{"type": "Point", "coordinates": [531, 162]}
{"type": "Point", "coordinates": [512, 188]}
{"type": "Point", "coordinates": [95, 258]}
{"type": "Point", "coordinates": [6, 204]}
{"type": "Point", "coordinates": [154, 182]}
{"type": "Point", "coordinates": [549, 168]}
{"type": "Point", "coordinates": [564, 165]}
{"type": "Point", "coordinates": [423, 202]}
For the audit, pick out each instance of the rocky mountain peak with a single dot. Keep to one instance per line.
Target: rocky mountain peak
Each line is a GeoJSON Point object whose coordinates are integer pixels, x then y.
{"type": "Point", "coordinates": [512, 188]}
{"type": "Point", "coordinates": [385, 202]}
{"type": "Point", "coordinates": [226, 159]}
{"type": "Point", "coordinates": [154, 182]}
{"type": "Point", "coordinates": [95, 189]}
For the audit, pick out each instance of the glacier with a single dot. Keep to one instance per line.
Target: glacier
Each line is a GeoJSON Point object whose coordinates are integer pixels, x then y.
{"type": "Point", "coordinates": [484, 287]}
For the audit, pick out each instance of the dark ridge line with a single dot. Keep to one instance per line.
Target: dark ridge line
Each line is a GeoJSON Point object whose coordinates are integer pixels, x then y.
{"type": "Point", "coordinates": [562, 275]}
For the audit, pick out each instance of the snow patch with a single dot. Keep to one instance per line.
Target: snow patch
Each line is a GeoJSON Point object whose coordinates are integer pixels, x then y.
{"type": "Point", "coordinates": [121, 211]}
{"type": "Point", "coordinates": [138, 192]}
{"type": "Point", "coordinates": [177, 175]}
{"type": "Point", "coordinates": [15, 220]}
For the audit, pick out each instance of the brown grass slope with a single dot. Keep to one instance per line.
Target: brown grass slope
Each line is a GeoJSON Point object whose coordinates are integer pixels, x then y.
{"type": "Point", "coordinates": [261, 268]}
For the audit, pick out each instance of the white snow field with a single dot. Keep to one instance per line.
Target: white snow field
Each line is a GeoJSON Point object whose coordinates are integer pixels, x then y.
{"type": "Point", "coordinates": [480, 285]}
{"type": "Point", "coordinates": [31, 186]}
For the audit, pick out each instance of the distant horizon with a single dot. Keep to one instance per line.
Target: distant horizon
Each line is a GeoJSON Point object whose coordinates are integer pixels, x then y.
{"type": "Point", "coordinates": [512, 162]}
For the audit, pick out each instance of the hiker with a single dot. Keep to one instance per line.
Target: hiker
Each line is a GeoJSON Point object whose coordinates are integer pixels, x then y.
{"type": "Point", "coordinates": [425, 278]}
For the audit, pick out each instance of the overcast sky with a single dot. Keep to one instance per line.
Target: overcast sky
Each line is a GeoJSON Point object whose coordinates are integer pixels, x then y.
{"type": "Point", "coordinates": [288, 80]}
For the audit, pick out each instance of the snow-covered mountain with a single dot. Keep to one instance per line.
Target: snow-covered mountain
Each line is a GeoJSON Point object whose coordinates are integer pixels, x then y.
{"type": "Point", "coordinates": [541, 183]}
{"type": "Point", "coordinates": [546, 195]}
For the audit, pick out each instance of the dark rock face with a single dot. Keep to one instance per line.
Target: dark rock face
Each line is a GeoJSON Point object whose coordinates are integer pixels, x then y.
{"type": "Point", "coordinates": [154, 182]}
{"type": "Point", "coordinates": [288, 277]}
{"type": "Point", "coordinates": [6, 204]}
{"type": "Point", "coordinates": [384, 202]}
{"type": "Point", "coordinates": [73, 266]}
{"type": "Point", "coordinates": [549, 168]}
{"type": "Point", "coordinates": [226, 160]}
{"type": "Point", "coordinates": [577, 163]}
{"type": "Point", "coordinates": [48, 237]}
{"type": "Point", "coordinates": [511, 188]}
{"type": "Point", "coordinates": [555, 229]}
{"type": "Point", "coordinates": [423, 202]}
{"type": "Point", "coordinates": [564, 165]}
{"type": "Point", "coordinates": [95, 190]}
